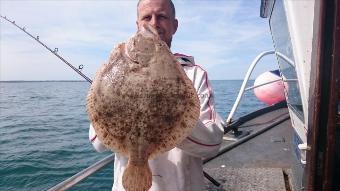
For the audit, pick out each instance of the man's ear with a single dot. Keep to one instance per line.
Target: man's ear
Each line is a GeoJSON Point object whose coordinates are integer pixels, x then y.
{"type": "Point", "coordinates": [175, 25]}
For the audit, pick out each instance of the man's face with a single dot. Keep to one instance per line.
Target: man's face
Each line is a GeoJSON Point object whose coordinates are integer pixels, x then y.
{"type": "Point", "coordinates": [158, 14]}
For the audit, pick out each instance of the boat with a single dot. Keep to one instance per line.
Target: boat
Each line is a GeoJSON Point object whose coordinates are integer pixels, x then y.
{"type": "Point", "coordinates": [293, 144]}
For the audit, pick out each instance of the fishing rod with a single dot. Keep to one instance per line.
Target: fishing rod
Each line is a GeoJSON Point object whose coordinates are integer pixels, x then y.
{"type": "Point", "coordinates": [55, 51]}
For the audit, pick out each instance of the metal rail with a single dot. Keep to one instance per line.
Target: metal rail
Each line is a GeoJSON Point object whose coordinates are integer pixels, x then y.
{"type": "Point", "coordinates": [68, 183]}
{"type": "Point", "coordinates": [253, 87]}
{"type": "Point", "coordinates": [246, 138]}
{"type": "Point", "coordinates": [55, 51]}
{"type": "Point", "coordinates": [248, 74]}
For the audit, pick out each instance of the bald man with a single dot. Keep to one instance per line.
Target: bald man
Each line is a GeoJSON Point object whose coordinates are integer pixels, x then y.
{"type": "Point", "coordinates": [180, 169]}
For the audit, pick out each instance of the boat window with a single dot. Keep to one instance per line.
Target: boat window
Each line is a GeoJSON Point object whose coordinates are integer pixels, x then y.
{"type": "Point", "coordinates": [282, 43]}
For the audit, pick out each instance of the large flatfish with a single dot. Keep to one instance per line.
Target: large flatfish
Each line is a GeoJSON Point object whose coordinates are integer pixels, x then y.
{"type": "Point", "coordinates": [141, 104]}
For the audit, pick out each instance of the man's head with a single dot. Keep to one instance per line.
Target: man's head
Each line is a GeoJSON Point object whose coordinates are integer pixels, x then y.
{"type": "Point", "coordinates": [161, 15]}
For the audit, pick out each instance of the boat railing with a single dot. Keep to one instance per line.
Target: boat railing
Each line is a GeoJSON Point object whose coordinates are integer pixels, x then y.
{"type": "Point", "coordinates": [75, 179]}
{"type": "Point", "coordinates": [243, 88]}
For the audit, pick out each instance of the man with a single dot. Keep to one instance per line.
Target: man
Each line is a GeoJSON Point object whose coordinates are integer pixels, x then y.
{"type": "Point", "coordinates": [180, 168]}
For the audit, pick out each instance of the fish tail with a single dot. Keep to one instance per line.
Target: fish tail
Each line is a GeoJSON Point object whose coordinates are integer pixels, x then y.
{"type": "Point", "coordinates": [137, 177]}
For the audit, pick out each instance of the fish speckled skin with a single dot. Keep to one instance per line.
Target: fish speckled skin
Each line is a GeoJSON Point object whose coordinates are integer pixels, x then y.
{"type": "Point", "coordinates": [142, 104]}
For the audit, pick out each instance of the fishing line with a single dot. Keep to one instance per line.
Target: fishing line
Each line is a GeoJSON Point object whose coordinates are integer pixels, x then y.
{"type": "Point", "coordinates": [55, 51]}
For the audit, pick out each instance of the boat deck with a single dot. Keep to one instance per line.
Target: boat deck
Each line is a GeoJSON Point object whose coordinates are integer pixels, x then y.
{"type": "Point", "coordinates": [262, 160]}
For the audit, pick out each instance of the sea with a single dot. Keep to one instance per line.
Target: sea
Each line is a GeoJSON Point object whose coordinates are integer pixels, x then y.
{"type": "Point", "coordinates": [44, 132]}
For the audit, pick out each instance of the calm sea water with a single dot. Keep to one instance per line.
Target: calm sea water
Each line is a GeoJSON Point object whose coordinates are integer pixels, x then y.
{"type": "Point", "coordinates": [44, 133]}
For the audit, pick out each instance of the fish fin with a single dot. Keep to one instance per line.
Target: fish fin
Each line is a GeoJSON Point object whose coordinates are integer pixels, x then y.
{"type": "Point", "coordinates": [137, 177]}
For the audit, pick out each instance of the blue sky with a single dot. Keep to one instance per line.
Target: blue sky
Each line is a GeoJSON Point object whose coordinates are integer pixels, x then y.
{"type": "Point", "coordinates": [224, 36]}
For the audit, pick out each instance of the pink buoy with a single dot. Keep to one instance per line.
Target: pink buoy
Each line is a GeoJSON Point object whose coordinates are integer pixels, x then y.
{"type": "Point", "coordinates": [271, 93]}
